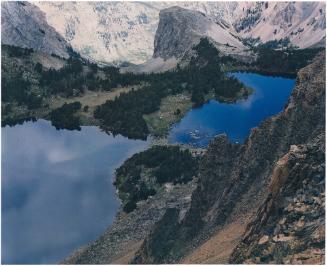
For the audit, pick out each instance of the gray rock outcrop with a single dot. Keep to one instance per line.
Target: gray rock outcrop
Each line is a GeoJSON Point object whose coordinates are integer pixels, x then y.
{"type": "Point", "coordinates": [24, 25]}
{"type": "Point", "coordinates": [179, 29]}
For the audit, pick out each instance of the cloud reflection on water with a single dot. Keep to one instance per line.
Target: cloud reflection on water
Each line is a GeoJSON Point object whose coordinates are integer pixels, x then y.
{"type": "Point", "coordinates": [57, 191]}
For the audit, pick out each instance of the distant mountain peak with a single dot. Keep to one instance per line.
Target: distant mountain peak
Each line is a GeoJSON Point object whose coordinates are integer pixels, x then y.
{"type": "Point", "coordinates": [126, 31]}
{"type": "Point", "coordinates": [179, 29]}
{"type": "Point", "coordinates": [303, 23]}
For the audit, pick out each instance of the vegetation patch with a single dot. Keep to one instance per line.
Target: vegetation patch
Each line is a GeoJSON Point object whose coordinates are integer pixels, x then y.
{"type": "Point", "coordinates": [18, 89]}
{"type": "Point", "coordinates": [172, 109]}
{"type": "Point", "coordinates": [64, 117]}
{"type": "Point", "coordinates": [29, 87]}
{"type": "Point", "coordinates": [276, 58]}
{"type": "Point", "coordinates": [144, 173]}
{"type": "Point", "coordinates": [288, 61]}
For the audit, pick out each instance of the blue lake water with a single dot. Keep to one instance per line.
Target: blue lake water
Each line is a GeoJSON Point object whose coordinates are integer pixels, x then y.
{"type": "Point", "coordinates": [57, 191]}
{"type": "Point", "coordinates": [200, 125]}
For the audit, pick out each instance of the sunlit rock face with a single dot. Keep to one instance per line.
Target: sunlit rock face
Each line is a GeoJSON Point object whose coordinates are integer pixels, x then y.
{"type": "Point", "coordinates": [117, 31]}
{"type": "Point", "coordinates": [303, 23]}
{"type": "Point", "coordinates": [24, 25]}
{"type": "Point", "coordinates": [125, 31]}
{"type": "Point", "coordinates": [179, 29]}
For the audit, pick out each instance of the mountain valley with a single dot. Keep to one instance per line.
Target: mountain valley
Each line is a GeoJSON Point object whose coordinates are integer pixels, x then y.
{"type": "Point", "coordinates": [200, 124]}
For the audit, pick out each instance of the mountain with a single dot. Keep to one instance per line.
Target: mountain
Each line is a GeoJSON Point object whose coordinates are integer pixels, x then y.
{"type": "Point", "coordinates": [180, 29]}
{"type": "Point", "coordinates": [304, 23]}
{"type": "Point", "coordinates": [106, 31]}
{"type": "Point", "coordinates": [24, 25]}
{"type": "Point", "coordinates": [117, 31]}
{"type": "Point", "coordinates": [125, 31]}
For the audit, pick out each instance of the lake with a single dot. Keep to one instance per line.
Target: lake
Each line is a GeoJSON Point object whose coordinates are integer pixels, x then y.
{"type": "Point", "coordinates": [200, 125]}
{"type": "Point", "coordinates": [57, 191]}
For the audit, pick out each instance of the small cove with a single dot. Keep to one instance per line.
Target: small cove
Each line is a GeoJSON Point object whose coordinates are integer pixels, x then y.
{"type": "Point", "coordinates": [201, 124]}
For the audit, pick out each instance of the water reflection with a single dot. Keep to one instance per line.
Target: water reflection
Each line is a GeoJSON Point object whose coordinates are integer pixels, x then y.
{"type": "Point", "coordinates": [200, 125]}
{"type": "Point", "coordinates": [57, 191]}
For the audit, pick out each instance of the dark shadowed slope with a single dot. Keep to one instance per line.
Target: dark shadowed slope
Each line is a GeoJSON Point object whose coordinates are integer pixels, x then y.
{"type": "Point", "coordinates": [235, 180]}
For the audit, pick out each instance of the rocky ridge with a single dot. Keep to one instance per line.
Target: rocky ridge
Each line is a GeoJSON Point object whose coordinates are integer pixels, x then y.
{"type": "Point", "coordinates": [303, 23]}
{"type": "Point", "coordinates": [235, 180]}
{"type": "Point", "coordinates": [289, 227]}
{"type": "Point", "coordinates": [179, 29]}
{"type": "Point", "coordinates": [125, 31]}
{"type": "Point", "coordinates": [25, 25]}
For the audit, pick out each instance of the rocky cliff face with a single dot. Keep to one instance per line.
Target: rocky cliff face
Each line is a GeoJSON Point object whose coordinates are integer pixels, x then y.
{"type": "Point", "coordinates": [235, 180]}
{"type": "Point", "coordinates": [25, 25]}
{"type": "Point", "coordinates": [289, 227]}
{"type": "Point", "coordinates": [179, 29]}
{"type": "Point", "coordinates": [304, 23]}
{"type": "Point", "coordinates": [117, 31]}
{"type": "Point", "coordinates": [125, 31]}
